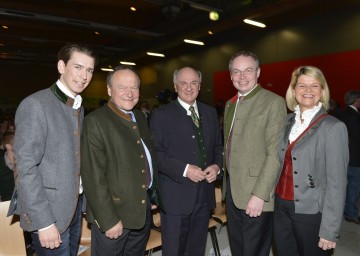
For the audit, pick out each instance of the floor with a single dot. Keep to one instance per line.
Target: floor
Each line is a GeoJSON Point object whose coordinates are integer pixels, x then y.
{"type": "Point", "coordinates": [348, 245]}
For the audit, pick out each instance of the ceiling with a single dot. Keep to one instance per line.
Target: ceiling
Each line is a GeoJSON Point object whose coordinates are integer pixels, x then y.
{"type": "Point", "coordinates": [38, 28]}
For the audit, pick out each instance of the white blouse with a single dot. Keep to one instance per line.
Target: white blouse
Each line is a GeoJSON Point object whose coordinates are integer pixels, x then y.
{"type": "Point", "coordinates": [306, 118]}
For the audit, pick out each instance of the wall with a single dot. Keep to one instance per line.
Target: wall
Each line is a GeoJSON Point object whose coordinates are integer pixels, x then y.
{"type": "Point", "coordinates": [330, 41]}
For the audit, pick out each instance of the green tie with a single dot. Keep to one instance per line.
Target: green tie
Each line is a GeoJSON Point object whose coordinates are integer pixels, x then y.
{"type": "Point", "coordinates": [194, 116]}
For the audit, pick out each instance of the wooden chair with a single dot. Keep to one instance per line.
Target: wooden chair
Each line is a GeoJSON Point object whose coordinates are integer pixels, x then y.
{"type": "Point", "coordinates": [85, 238]}
{"type": "Point", "coordinates": [154, 240]}
{"type": "Point", "coordinates": [212, 228]}
{"type": "Point", "coordinates": [12, 242]}
{"type": "Point", "coordinates": [219, 213]}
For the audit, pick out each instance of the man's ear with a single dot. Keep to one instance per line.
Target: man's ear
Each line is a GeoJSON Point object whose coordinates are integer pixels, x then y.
{"type": "Point", "coordinates": [61, 66]}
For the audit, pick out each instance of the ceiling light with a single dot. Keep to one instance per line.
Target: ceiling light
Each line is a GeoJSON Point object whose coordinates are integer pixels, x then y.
{"type": "Point", "coordinates": [193, 42]}
{"type": "Point", "coordinates": [127, 63]}
{"type": "Point", "coordinates": [133, 8]}
{"type": "Point", "coordinates": [155, 54]}
{"type": "Point", "coordinates": [107, 69]}
{"type": "Point", "coordinates": [213, 15]}
{"type": "Point", "coordinates": [97, 33]}
{"type": "Point", "coordinates": [255, 23]}
{"type": "Point", "coordinates": [210, 32]}
{"type": "Point", "coordinates": [5, 27]}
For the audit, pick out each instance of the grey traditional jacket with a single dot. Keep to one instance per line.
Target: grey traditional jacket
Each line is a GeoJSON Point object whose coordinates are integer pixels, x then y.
{"type": "Point", "coordinates": [47, 144]}
{"type": "Point", "coordinates": [320, 158]}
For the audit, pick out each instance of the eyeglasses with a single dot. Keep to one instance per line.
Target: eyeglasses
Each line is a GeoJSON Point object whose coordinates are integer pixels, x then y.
{"type": "Point", "coordinates": [246, 72]}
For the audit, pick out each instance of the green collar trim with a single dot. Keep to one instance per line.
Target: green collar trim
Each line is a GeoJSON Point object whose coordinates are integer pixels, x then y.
{"type": "Point", "coordinates": [253, 92]}
{"type": "Point", "coordinates": [62, 96]}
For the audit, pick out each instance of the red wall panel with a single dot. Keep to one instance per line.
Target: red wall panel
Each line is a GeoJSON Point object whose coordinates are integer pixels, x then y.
{"type": "Point", "coordinates": [341, 70]}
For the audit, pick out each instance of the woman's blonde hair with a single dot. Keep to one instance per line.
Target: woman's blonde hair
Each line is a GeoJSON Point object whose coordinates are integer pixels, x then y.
{"type": "Point", "coordinates": [313, 72]}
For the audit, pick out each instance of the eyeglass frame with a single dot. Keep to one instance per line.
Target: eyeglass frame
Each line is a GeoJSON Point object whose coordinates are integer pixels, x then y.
{"type": "Point", "coordinates": [246, 72]}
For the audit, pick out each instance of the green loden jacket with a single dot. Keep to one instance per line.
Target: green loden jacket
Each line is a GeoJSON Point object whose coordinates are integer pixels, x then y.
{"type": "Point", "coordinates": [254, 161]}
{"type": "Point", "coordinates": [113, 168]}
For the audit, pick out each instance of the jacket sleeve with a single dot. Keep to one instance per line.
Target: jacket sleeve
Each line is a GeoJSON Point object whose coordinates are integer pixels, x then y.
{"type": "Point", "coordinates": [93, 174]}
{"type": "Point", "coordinates": [29, 146]}
{"type": "Point", "coordinates": [168, 165]}
{"type": "Point", "coordinates": [337, 158]}
{"type": "Point", "coordinates": [271, 167]}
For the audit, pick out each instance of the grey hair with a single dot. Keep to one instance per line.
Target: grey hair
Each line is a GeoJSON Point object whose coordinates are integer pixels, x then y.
{"type": "Point", "coordinates": [117, 68]}
{"type": "Point", "coordinates": [351, 97]}
{"type": "Point", "coordinates": [176, 72]}
{"type": "Point", "coordinates": [245, 54]}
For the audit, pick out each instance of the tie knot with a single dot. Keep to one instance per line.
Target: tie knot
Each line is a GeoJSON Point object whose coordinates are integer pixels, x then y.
{"type": "Point", "coordinates": [192, 109]}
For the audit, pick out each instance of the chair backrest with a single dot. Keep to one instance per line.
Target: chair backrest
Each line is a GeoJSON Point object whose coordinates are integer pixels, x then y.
{"type": "Point", "coordinates": [85, 238]}
{"type": "Point", "coordinates": [12, 240]}
{"type": "Point", "coordinates": [218, 195]}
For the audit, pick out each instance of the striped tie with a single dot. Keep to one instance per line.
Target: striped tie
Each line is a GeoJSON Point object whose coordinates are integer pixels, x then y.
{"type": "Point", "coordinates": [194, 116]}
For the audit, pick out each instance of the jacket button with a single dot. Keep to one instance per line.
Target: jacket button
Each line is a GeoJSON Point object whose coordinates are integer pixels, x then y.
{"type": "Point", "coordinates": [296, 186]}
{"type": "Point", "coordinates": [142, 171]}
{"type": "Point", "coordinates": [143, 186]}
{"type": "Point", "coordinates": [294, 158]}
{"type": "Point", "coordinates": [295, 172]}
{"type": "Point", "coordinates": [296, 200]}
{"type": "Point", "coordinates": [143, 201]}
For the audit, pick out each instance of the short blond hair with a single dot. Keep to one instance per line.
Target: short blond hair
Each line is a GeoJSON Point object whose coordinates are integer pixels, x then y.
{"type": "Point", "coordinates": [313, 72]}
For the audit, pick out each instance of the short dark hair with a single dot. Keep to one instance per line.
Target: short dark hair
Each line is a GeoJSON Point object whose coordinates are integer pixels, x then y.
{"type": "Point", "coordinates": [118, 68]}
{"type": "Point", "coordinates": [351, 97]}
{"type": "Point", "coordinates": [245, 54]}
{"type": "Point", "coordinates": [7, 138]}
{"type": "Point", "coordinates": [67, 50]}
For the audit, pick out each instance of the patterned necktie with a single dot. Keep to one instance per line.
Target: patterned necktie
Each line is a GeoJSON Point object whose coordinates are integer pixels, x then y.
{"type": "Point", "coordinates": [194, 116]}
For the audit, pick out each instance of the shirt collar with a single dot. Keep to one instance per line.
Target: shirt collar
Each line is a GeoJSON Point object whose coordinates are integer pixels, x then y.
{"type": "Point", "coordinates": [65, 90]}
{"type": "Point", "coordinates": [187, 106]}
{"type": "Point", "coordinates": [239, 94]}
{"type": "Point", "coordinates": [351, 106]}
{"type": "Point", "coordinates": [307, 115]}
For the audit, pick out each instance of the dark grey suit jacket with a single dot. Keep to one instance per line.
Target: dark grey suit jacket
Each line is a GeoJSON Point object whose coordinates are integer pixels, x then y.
{"type": "Point", "coordinates": [352, 120]}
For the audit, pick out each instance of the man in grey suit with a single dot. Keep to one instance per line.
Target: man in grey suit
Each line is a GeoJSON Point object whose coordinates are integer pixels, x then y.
{"type": "Point", "coordinates": [47, 144]}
